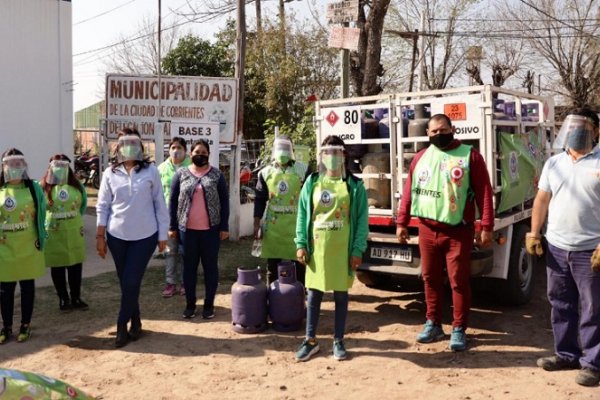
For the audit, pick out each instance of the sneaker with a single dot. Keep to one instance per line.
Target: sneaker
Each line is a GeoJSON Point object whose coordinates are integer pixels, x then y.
{"type": "Point", "coordinates": [307, 349]}
{"type": "Point", "coordinates": [170, 290]}
{"type": "Point", "coordinates": [588, 377]}
{"type": "Point", "coordinates": [458, 339]}
{"type": "Point", "coordinates": [339, 350]}
{"type": "Point", "coordinates": [78, 304]}
{"type": "Point", "coordinates": [64, 305]}
{"type": "Point", "coordinates": [24, 333]}
{"type": "Point", "coordinates": [5, 335]}
{"type": "Point", "coordinates": [556, 363]}
{"type": "Point", "coordinates": [189, 313]}
{"type": "Point", "coordinates": [182, 291]}
{"type": "Point", "coordinates": [208, 312]}
{"type": "Point", "coordinates": [430, 333]}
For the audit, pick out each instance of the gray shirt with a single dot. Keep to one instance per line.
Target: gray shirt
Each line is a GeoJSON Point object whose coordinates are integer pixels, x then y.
{"type": "Point", "coordinates": [574, 212]}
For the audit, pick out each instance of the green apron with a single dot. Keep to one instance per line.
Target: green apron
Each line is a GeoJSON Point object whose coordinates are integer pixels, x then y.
{"type": "Point", "coordinates": [329, 266]}
{"type": "Point", "coordinates": [65, 245]}
{"type": "Point", "coordinates": [279, 224]}
{"type": "Point", "coordinates": [20, 258]}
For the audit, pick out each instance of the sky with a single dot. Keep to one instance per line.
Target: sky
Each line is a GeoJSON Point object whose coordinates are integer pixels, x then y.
{"type": "Point", "coordinates": [98, 25]}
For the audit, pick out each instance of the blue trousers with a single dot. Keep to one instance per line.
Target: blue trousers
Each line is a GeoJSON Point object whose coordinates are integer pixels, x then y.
{"type": "Point", "coordinates": [200, 246]}
{"type": "Point", "coordinates": [131, 259]}
{"type": "Point", "coordinates": [315, 297]}
{"type": "Point", "coordinates": [574, 294]}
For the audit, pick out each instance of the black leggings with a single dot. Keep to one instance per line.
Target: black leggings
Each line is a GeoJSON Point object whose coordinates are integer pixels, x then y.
{"type": "Point", "coordinates": [59, 278]}
{"type": "Point", "coordinates": [7, 301]}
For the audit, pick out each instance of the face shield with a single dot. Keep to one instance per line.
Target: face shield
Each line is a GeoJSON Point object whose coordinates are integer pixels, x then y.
{"type": "Point", "coordinates": [283, 151]}
{"type": "Point", "coordinates": [14, 168]}
{"type": "Point", "coordinates": [58, 172]}
{"type": "Point", "coordinates": [332, 160]}
{"type": "Point", "coordinates": [130, 148]}
{"type": "Point", "coordinates": [576, 133]}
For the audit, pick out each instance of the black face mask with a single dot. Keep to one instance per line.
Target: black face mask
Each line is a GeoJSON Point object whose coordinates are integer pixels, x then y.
{"type": "Point", "coordinates": [441, 140]}
{"type": "Point", "coordinates": [200, 160]}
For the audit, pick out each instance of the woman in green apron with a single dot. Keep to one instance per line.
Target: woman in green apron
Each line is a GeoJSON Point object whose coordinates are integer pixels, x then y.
{"type": "Point", "coordinates": [331, 236]}
{"type": "Point", "coordinates": [22, 237]}
{"type": "Point", "coordinates": [65, 248]}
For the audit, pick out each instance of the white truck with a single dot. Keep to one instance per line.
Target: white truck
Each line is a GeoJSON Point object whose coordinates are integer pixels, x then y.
{"type": "Point", "coordinates": [512, 130]}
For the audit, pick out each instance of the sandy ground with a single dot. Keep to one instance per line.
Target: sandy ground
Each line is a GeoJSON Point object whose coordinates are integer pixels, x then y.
{"type": "Point", "coordinates": [179, 359]}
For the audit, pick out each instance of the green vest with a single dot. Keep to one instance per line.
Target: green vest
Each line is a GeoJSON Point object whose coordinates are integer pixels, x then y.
{"type": "Point", "coordinates": [440, 184]}
{"type": "Point", "coordinates": [65, 245]}
{"type": "Point", "coordinates": [167, 170]}
{"type": "Point", "coordinates": [329, 263]}
{"type": "Point", "coordinates": [279, 223]}
{"type": "Point", "coordinates": [20, 256]}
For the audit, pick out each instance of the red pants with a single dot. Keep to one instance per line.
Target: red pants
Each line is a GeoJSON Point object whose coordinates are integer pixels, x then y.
{"type": "Point", "coordinates": [450, 248]}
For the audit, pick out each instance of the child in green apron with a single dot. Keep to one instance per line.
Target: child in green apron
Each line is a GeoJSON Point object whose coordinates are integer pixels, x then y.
{"type": "Point", "coordinates": [22, 237]}
{"type": "Point", "coordinates": [331, 236]}
{"type": "Point", "coordinates": [65, 248]}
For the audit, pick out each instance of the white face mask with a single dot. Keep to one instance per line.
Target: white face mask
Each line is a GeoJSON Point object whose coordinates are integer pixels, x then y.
{"type": "Point", "coordinates": [176, 154]}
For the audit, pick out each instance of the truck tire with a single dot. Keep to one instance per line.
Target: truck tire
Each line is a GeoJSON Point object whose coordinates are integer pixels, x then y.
{"type": "Point", "coordinates": [517, 289]}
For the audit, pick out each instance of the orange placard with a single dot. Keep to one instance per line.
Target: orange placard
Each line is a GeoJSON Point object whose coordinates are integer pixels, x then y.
{"type": "Point", "coordinates": [456, 111]}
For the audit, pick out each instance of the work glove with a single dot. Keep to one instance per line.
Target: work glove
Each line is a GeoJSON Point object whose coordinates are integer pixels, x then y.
{"type": "Point", "coordinates": [596, 260]}
{"type": "Point", "coordinates": [533, 245]}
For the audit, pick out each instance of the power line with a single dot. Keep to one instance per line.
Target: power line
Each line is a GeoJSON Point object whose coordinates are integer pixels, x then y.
{"type": "Point", "coordinates": [547, 15]}
{"type": "Point", "coordinates": [103, 13]}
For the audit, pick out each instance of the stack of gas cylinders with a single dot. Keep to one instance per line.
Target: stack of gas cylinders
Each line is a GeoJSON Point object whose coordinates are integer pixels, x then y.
{"type": "Point", "coordinates": [252, 303]}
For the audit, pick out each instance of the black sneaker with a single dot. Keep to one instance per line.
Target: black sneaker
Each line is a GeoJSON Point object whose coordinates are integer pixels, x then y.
{"type": "Point", "coordinates": [555, 363]}
{"type": "Point", "coordinates": [588, 377]}
{"type": "Point", "coordinates": [5, 335]}
{"type": "Point", "coordinates": [189, 313]}
{"type": "Point", "coordinates": [208, 312]}
{"type": "Point", "coordinates": [78, 304]}
{"type": "Point", "coordinates": [65, 305]}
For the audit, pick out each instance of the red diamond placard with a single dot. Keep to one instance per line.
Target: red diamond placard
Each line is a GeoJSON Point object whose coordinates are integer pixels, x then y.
{"type": "Point", "coordinates": [332, 118]}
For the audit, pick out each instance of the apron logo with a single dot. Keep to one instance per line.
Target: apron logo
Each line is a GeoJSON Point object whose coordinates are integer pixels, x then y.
{"type": "Point", "coordinates": [63, 195]}
{"type": "Point", "coordinates": [326, 198]}
{"type": "Point", "coordinates": [283, 187]}
{"type": "Point", "coordinates": [513, 165]}
{"type": "Point", "coordinates": [423, 177]}
{"type": "Point", "coordinates": [10, 204]}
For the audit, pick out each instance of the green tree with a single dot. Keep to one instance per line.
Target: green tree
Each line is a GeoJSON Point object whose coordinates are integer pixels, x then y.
{"type": "Point", "coordinates": [197, 57]}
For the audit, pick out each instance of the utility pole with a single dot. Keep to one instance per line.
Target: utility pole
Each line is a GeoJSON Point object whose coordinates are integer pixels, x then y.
{"type": "Point", "coordinates": [158, 126]}
{"type": "Point", "coordinates": [258, 18]}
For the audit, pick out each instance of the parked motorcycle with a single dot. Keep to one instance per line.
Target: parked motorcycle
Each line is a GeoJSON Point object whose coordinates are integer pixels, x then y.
{"type": "Point", "coordinates": [87, 169]}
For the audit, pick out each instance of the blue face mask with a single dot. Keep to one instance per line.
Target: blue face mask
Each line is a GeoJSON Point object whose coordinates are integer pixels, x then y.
{"type": "Point", "coordinates": [579, 139]}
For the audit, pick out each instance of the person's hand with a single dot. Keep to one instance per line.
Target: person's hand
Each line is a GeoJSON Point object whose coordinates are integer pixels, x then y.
{"type": "Point", "coordinates": [101, 246]}
{"type": "Point", "coordinates": [533, 244]}
{"type": "Point", "coordinates": [596, 260]}
{"type": "Point", "coordinates": [484, 239]}
{"type": "Point", "coordinates": [302, 256]}
{"type": "Point", "coordinates": [355, 261]}
{"type": "Point", "coordinates": [162, 245]}
{"type": "Point", "coordinates": [224, 235]}
{"type": "Point", "coordinates": [173, 234]}
{"type": "Point", "coordinates": [402, 234]}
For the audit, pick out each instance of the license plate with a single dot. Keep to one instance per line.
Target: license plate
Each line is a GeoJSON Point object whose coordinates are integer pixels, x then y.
{"type": "Point", "coordinates": [390, 253]}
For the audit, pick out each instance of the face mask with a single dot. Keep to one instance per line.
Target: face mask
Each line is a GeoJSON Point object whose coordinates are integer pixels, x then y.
{"type": "Point", "coordinates": [332, 162]}
{"type": "Point", "coordinates": [130, 152]}
{"type": "Point", "coordinates": [176, 154]}
{"type": "Point", "coordinates": [13, 174]}
{"type": "Point", "coordinates": [441, 140]}
{"type": "Point", "coordinates": [579, 139]}
{"type": "Point", "coordinates": [200, 160]}
{"type": "Point", "coordinates": [60, 174]}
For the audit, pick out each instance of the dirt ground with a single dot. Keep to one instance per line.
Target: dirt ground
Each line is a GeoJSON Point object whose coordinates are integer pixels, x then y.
{"type": "Point", "coordinates": [179, 359]}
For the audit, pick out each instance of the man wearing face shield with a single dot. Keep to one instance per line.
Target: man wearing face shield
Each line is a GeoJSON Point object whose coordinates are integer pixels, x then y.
{"type": "Point", "coordinates": [276, 206]}
{"type": "Point", "coordinates": [569, 195]}
{"type": "Point", "coordinates": [445, 183]}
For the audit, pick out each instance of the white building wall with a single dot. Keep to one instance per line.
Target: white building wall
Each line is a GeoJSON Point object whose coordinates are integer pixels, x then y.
{"type": "Point", "coordinates": [36, 105]}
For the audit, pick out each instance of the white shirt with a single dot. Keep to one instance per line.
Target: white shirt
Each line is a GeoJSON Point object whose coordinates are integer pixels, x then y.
{"type": "Point", "coordinates": [132, 207]}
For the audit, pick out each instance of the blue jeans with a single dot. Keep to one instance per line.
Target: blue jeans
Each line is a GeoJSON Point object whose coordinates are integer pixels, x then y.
{"type": "Point", "coordinates": [200, 246]}
{"type": "Point", "coordinates": [574, 294]}
{"type": "Point", "coordinates": [314, 308]}
{"type": "Point", "coordinates": [131, 259]}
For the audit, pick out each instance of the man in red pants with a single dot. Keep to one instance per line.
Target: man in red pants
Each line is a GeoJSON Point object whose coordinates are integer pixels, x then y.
{"type": "Point", "coordinates": [445, 182]}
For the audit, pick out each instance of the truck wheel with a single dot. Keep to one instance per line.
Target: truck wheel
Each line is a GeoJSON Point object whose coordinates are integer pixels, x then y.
{"type": "Point", "coordinates": [517, 289]}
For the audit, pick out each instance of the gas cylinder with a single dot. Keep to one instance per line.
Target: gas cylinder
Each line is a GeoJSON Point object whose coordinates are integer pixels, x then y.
{"type": "Point", "coordinates": [249, 302]}
{"type": "Point", "coordinates": [286, 299]}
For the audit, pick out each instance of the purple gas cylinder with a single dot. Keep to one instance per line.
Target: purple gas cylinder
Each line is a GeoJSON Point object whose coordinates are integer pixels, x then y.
{"type": "Point", "coordinates": [249, 302]}
{"type": "Point", "coordinates": [286, 299]}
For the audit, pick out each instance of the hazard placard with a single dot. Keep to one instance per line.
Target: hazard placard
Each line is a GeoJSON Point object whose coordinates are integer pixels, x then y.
{"type": "Point", "coordinates": [343, 122]}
